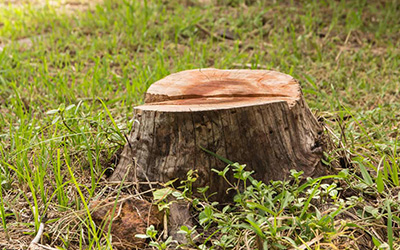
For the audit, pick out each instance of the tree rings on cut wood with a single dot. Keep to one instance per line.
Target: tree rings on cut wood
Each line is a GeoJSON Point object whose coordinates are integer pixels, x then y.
{"type": "Point", "coordinates": [254, 117]}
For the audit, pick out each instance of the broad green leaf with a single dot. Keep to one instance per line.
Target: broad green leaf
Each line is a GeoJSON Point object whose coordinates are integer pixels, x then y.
{"type": "Point", "coordinates": [162, 193]}
{"type": "Point", "coordinates": [256, 228]}
{"type": "Point", "coordinates": [367, 178]}
{"type": "Point", "coordinates": [253, 205]}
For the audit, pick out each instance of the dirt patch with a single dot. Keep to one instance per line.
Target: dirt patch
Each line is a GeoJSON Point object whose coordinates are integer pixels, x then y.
{"type": "Point", "coordinates": [131, 216]}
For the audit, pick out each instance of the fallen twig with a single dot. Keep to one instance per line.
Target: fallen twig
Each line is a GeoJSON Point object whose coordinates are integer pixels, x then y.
{"type": "Point", "coordinates": [209, 33]}
{"type": "Point", "coordinates": [39, 234]}
{"type": "Point", "coordinates": [35, 242]}
{"type": "Point", "coordinates": [37, 246]}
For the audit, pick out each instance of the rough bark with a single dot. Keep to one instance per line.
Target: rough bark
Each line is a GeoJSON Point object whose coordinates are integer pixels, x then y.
{"type": "Point", "coordinates": [254, 117]}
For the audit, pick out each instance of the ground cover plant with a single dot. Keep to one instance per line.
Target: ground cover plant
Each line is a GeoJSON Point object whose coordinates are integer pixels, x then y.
{"type": "Point", "coordinates": [71, 73]}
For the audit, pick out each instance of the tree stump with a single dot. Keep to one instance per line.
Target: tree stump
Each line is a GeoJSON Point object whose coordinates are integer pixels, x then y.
{"type": "Point", "coordinates": [254, 117]}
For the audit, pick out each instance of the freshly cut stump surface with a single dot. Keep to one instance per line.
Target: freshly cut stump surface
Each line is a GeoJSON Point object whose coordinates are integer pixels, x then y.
{"type": "Point", "coordinates": [254, 117]}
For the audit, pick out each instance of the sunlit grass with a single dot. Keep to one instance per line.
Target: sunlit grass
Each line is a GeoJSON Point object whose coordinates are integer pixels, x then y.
{"type": "Point", "coordinates": [69, 81]}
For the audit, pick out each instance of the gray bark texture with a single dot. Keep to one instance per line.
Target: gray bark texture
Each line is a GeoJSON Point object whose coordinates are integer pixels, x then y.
{"type": "Point", "coordinates": [254, 117]}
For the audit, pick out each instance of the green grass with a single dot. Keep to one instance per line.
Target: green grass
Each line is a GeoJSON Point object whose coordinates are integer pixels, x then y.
{"type": "Point", "coordinates": [66, 101]}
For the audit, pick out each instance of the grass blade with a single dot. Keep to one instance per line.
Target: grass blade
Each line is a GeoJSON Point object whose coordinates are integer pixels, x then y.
{"type": "Point", "coordinates": [389, 226]}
